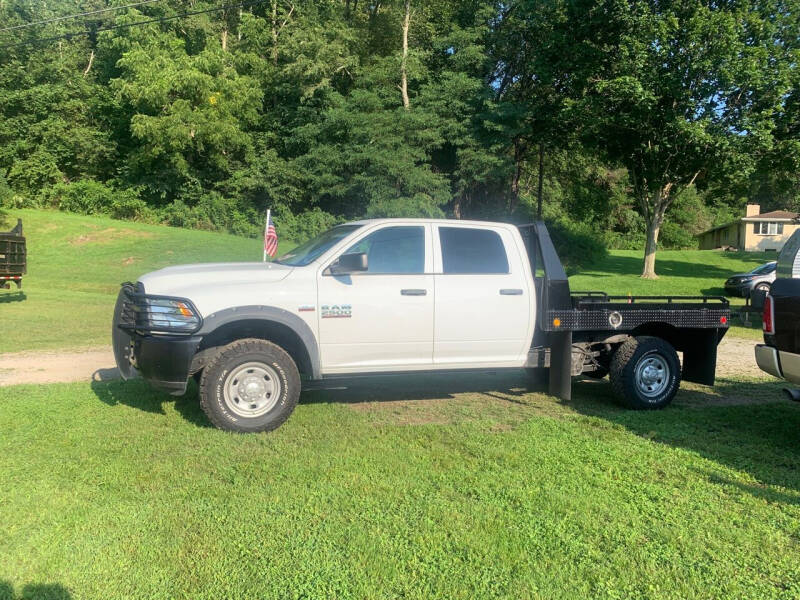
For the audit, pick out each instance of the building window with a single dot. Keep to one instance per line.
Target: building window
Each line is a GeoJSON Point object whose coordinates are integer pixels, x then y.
{"type": "Point", "coordinates": [768, 228]}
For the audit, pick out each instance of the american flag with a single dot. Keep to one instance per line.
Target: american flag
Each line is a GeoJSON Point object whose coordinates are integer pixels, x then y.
{"type": "Point", "coordinates": [270, 237]}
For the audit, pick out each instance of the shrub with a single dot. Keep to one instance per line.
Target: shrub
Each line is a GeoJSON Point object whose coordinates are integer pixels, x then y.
{"type": "Point", "coordinates": [89, 197]}
{"type": "Point", "coordinates": [303, 226]}
{"type": "Point", "coordinates": [577, 244]}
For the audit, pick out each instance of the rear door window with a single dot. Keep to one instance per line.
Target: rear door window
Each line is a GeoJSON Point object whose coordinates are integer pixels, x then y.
{"type": "Point", "coordinates": [468, 250]}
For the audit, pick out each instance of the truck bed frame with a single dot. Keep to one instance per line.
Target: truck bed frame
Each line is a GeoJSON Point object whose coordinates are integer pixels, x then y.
{"type": "Point", "coordinates": [568, 321]}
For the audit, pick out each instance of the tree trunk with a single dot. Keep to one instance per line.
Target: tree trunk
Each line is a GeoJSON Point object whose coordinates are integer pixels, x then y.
{"type": "Point", "coordinates": [225, 39]}
{"type": "Point", "coordinates": [274, 32]}
{"type": "Point", "coordinates": [403, 61]}
{"type": "Point", "coordinates": [654, 218]}
{"type": "Point", "coordinates": [541, 182]}
{"type": "Point", "coordinates": [649, 268]}
{"type": "Point", "coordinates": [457, 207]}
{"type": "Point", "coordinates": [519, 157]}
{"type": "Point", "coordinates": [89, 66]}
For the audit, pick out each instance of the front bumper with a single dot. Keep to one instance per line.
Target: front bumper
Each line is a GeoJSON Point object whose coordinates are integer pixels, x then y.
{"type": "Point", "coordinates": [784, 365]}
{"type": "Point", "coordinates": [163, 360]}
{"type": "Point", "coordinates": [742, 290]}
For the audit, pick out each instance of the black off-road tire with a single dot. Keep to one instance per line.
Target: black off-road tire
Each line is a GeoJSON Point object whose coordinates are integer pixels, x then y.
{"type": "Point", "coordinates": [639, 353]}
{"type": "Point", "coordinates": [233, 356]}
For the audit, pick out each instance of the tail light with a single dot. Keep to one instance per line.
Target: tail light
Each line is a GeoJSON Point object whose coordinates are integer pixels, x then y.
{"type": "Point", "coordinates": [769, 315]}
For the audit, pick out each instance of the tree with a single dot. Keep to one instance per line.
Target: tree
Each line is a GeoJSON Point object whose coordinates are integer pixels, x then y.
{"type": "Point", "coordinates": [690, 94]}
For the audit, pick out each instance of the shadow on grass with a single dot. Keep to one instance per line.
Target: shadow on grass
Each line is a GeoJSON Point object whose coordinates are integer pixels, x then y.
{"type": "Point", "coordinates": [746, 426]}
{"type": "Point", "coordinates": [137, 394]}
{"type": "Point", "coordinates": [749, 427]}
{"type": "Point", "coordinates": [630, 265]}
{"type": "Point", "coordinates": [34, 591]}
{"type": "Point", "coordinates": [510, 386]}
{"type": "Point", "coordinates": [12, 297]}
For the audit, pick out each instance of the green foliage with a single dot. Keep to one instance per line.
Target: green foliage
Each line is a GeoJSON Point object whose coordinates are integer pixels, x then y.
{"type": "Point", "coordinates": [207, 121]}
{"type": "Point", "coordinates": [577, 244]}
{"type": "Point", "coordinates": [89, 197]}
{"type": "Point", "coordinates": [305, 225]}
{"type": "Point", "coordinates": [6, 193]}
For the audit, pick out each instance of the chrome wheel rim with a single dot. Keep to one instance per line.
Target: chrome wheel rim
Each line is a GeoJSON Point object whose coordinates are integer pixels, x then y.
{"type": "Point", "coordinates": [651, 375]}
{"type": "Point", "coordinates": [252, 389]}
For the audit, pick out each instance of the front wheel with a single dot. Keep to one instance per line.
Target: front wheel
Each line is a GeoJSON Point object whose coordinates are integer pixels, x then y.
{"type": "Point", "coordinates": [645, 373]}
{"type": "Point", "coordinates": [762, 287]}
{"type": "Point", "coordinates": [251, 385]}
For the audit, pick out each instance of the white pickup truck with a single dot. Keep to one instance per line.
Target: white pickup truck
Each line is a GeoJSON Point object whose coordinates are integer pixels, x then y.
{"type": "Point", "coordinates": [401, 295]}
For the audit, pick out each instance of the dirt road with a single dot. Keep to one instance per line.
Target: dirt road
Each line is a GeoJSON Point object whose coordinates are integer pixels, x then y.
{"type": "Point", "coordinates": [735, 358]}
{"type": "Point", "coordinates": [57, 366]}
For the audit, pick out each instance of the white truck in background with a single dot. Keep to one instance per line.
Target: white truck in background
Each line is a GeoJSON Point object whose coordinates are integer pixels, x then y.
{"type": "Point", "coordinates": [401, 295]}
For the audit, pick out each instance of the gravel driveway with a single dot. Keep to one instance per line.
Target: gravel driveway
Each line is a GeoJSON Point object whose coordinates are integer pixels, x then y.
{"type": "Point", "coordinates": [53, 366]}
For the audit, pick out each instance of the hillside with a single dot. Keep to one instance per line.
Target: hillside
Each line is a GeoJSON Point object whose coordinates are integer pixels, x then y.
{"type": "Point", "coordinates": [75, 266]}
{"type": "Point", "coordinates": [76, 263]}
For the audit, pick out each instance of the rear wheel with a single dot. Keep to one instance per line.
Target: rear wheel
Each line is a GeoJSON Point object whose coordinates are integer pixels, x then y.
{"type": "Point", "coordinates": [251, 385]}
{"type": "Point", "coordinates": [645, 373]}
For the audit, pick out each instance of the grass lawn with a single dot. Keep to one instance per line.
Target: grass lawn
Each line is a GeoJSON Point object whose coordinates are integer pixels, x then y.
{"type": "Point", "coordinates": [76, 263]}
{"type": "Point", "coordinates": [424, 487]}
{"type": "Point", "coordinates": [75, 266]}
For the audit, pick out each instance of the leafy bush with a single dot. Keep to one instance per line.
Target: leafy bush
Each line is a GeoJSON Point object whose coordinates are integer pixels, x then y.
{"type": "Point", "coordinates": [577, 244]}
{"type": "Point", "coordinates": [303, 226]}
{"type": "Point", "coordinates": [6, 194]}
{"type": "Point", "coordinates": [89, 197]}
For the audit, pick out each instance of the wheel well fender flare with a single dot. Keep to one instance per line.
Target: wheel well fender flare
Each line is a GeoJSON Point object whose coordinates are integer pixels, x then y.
{"type": "Point", "coordinates": [266, 318]}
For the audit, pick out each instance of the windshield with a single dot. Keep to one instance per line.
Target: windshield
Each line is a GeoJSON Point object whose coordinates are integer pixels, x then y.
{"type": "Point", "coordinates": [307, 253]}
{"type": "Point", "coordinates": [763, 269]}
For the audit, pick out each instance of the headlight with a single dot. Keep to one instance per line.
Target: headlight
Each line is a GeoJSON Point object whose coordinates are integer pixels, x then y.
{"type": "Point", "coordinates": [166, 314]}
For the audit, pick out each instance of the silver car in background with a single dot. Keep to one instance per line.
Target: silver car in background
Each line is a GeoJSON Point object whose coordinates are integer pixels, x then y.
{"type": "Point", "coordinates": [759, 279]}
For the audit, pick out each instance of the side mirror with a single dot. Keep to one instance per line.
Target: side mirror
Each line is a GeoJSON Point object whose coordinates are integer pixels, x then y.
{"type": "Point", "coordinates": [350, 263]}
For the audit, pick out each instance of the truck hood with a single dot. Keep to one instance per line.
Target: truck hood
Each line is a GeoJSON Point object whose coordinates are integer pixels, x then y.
{"type": "Point", "coordinates": [182, 280]}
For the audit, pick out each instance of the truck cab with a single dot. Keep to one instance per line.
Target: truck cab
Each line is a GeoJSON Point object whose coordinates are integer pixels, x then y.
{"type": "Point", "coordinates": [373, 296]}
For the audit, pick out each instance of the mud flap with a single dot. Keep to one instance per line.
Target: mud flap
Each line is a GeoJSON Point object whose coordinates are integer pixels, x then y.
{"type": "Point", "coordinates": [700, 356]}
{"type": "Point", "coordinates": [561, 364]}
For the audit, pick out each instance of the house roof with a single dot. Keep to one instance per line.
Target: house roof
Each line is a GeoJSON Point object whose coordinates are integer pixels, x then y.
{"type": "Point", "coordinates": [775, 215]}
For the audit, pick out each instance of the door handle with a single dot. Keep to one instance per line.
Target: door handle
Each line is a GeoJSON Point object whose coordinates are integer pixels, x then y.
{"type": "Point", "coordinates": [511, 292]}
{"type": "Point", "coordinates": [413, 292]}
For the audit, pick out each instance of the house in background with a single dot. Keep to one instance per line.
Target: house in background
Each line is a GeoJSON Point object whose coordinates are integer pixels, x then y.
{"type": "Point", "coordinates": [754, 232]}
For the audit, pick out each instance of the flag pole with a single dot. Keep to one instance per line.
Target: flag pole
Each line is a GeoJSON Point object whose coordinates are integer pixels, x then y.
{"type": "Point", "coordinates": [266, 228]}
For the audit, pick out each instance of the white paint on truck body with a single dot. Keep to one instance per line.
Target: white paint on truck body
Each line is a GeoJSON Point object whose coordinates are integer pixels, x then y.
{"type": "Point", "coordinates": [421, 318]}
